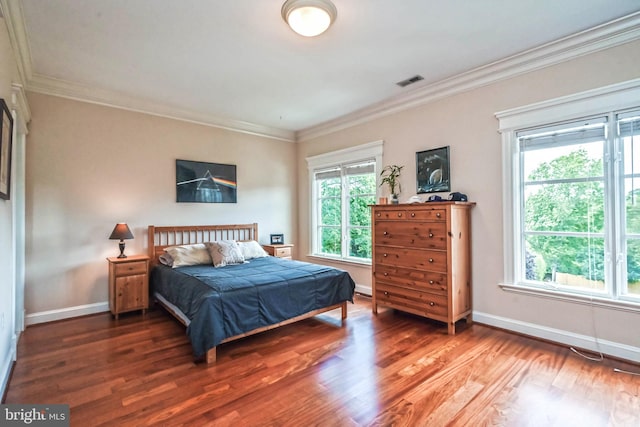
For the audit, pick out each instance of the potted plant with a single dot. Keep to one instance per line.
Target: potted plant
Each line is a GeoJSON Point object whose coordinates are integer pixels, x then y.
{"type": "Point", "coordinates": [390, 175]}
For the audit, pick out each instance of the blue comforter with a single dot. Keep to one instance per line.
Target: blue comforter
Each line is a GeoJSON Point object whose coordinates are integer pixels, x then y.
{"type": "Point", "coordinates": [226, 301]}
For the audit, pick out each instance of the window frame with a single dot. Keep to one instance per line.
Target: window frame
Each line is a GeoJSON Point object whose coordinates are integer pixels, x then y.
{"type": "Point", "coordinates": [598, 136]}
{"type": "Point", "coordinates": [598, 102]}
{"type": "Point", "coordinates": [339, 158]}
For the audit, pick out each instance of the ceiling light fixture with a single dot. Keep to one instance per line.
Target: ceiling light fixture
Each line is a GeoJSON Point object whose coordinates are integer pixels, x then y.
{"type": "Point", "coordinates": [309, 18]}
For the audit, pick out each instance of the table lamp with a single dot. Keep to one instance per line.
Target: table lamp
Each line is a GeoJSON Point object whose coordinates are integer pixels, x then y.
{"type": "Point", "coordinates": [121, 231]}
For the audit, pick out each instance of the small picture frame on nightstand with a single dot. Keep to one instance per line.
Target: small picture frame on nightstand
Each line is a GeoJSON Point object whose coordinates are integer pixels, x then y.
{"type": "Point", "coordinates": [277, 239]}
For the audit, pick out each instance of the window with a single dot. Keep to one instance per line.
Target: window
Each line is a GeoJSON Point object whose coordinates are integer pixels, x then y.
{"type": "Point", "coordinates": [629, 132]}
{"type": "Point", "coordinates": [573, 224]}
{"type": "Point", "coordinates": [343, 185]}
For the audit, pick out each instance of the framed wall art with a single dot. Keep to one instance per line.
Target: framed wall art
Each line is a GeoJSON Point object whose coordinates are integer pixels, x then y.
{"type": "Point", "coordinates": [6, 135]}
{"type": "Point", "coordinates": [201, 182]}
{"type": "Point", "coordinates": [432, 170]}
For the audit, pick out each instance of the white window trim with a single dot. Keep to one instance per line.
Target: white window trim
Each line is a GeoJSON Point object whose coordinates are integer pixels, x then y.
{"type": "Point", "coordinates": [597, 101]}
{"type": "Point", "coordinates": [347, 155]}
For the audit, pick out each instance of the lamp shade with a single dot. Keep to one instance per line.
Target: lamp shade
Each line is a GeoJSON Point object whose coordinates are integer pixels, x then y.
{"type": "Point", "coordinates": [121, 232]}
{"type": "Point", "coordinates": [309, 18]}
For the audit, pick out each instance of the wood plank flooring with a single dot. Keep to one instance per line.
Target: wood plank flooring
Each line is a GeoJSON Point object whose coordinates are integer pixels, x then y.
{"type": "Point", "coordinates": [393, 369]}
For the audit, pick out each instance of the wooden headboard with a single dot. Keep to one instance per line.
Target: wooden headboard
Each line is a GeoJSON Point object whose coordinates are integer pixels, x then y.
{"type": "Point", "coordinates": [162, 237]}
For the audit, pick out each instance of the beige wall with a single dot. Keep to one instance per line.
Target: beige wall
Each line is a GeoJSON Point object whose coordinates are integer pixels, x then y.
{"type": "Point", "coordinates": [466, 123]}
{"type": "Point", "coordinates": [90, 166]}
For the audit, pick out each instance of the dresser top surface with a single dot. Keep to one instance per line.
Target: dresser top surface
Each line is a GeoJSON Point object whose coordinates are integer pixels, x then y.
{"type": "Point", "coordinates": [425, 205]}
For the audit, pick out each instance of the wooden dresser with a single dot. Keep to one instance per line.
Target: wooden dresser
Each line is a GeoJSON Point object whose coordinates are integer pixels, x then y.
{"type": "Point", "coordinates": [422, 259]}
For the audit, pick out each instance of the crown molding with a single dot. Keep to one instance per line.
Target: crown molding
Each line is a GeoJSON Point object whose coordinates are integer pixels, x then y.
{"type": "Point", "coordinates": [95, 95]}
{"type": "Point", "coordinates": [614, 33]}
{"type": "Point", "coordinates": [617, 96]}
{"type": "Point", "coordinates": [611, 34]}
{"type": "Point", "coordinates": [14, 21]}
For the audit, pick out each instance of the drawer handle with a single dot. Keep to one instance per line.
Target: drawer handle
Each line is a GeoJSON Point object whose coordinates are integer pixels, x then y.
{"type": "Point", "coordinates": [432, 303]}
{"type": "Point", "coordinates": [378, 215]}
{"type": "Point", "coordinates": [430, 259]}
{"type": "Point", "coordinates": [399, 214]}
{"type": "Point", "coordinates": [386, 274]}
{"type": "Point", "coordinates": [413, 214]}
{"type": "Point", "coordinates": [438, 215]}
{"type": "Point", "coordinates": [386, 293]}
{"type": "Point", "coordinates": [430, 234]}
{"type": "Point", "coordinates": [384, 255]}
{"type": "Point", "coordinates": [431, 282]}
{"type": "Point", "coordinates": [385, 233]}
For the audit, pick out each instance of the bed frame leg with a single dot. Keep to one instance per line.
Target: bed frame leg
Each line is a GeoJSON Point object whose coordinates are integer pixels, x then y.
{"type": "Point", "coordinates": [211, 356]}
{"type": "Point", "coordinates": [344, 311]}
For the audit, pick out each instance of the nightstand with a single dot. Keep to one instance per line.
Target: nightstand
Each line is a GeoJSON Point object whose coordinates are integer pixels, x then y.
{"type": "Point", "coordinates": [128, 284]}
{"type": "Point", "coordinates": [284, 250]}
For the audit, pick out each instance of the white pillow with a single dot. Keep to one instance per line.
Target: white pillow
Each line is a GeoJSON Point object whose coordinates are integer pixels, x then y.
{"type": "Point", "coordinates": [189, 255]}
{"type": "Point", "coordinates": [225, 252]}
{"type": "Point", "coordinates": [252, 249]}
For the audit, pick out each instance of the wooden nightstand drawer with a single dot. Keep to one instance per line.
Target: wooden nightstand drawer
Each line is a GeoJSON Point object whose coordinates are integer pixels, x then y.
{"type": "Point", "coordinates": [280, 251]}
{"type": "Point", "coordinates": [283, 252]}
{"type": "Point", "coordinates": [129, 268]}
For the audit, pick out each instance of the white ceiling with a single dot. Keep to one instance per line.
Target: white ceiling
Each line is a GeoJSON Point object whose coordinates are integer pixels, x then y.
{"type": "Point", "coordinates": [237, 61]}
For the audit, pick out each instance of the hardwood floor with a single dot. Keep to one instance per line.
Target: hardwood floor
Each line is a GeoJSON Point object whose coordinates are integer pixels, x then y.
{"type": "Point", "coordinates": [390, 369]}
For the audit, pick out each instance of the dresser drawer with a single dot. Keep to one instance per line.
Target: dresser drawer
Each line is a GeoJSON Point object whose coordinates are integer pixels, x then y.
{"type": "Point", "coordinates": [130, 268]}
{"type": "Point", "coordinates": [428, 235]}
{"type": "Point", "coordinates": [391, 214]}
{"type": "Point", "coordinates": [423, 303]}
{"type": "Point", "coordinates": [427, 215]}
{"type": "Point", "coordinates": [409, 278]}
{"type": "Point", "coordinates": [430, 260]}
{"type": "Point", "coordinates": [411, 214]}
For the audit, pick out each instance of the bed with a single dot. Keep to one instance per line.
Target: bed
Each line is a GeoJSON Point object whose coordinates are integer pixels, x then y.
{"type": "Point", "coordinates": [228, 302]}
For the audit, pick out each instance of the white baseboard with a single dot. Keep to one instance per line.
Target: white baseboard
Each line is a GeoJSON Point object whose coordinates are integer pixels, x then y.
{"type": "Point", "coordinates": [66, 313]}
{"type": "Point", "coordinates": [621, 351]}
{"type": "Point", "coordinates": [5, 370]}
{"type": "Point", "coordinates": [100, 307]}
{"type": "Point", "coordinates": [362, 289]}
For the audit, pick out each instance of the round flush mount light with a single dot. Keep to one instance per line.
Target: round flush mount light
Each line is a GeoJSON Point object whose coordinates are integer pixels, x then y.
{"type": "Point", "coordinates": [309, 18]}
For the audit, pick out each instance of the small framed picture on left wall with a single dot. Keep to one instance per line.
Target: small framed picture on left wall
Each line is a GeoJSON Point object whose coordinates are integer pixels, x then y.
{"type": "Point", "coordinates": [6, 135]}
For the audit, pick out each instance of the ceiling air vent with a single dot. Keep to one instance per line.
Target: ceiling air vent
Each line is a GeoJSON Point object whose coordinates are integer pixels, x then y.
{"type": "Point", "coordinates": [410, 80]}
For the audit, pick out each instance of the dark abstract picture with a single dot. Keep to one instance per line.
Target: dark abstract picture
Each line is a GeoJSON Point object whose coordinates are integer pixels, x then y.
{"type": "Point", "coordinates": [432, 170]}
{"type": "Point", "coordinates": [201, 182]}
